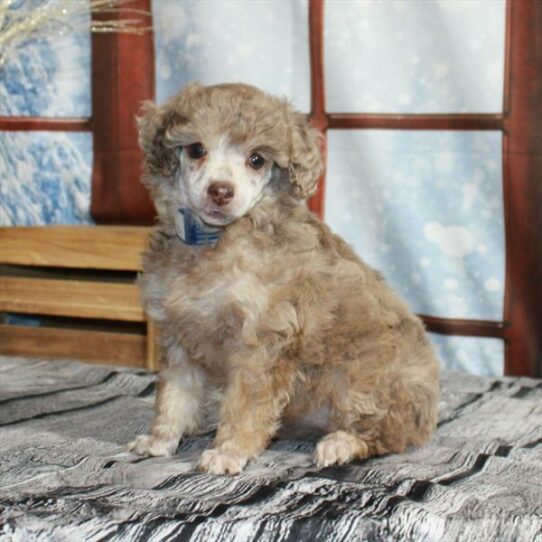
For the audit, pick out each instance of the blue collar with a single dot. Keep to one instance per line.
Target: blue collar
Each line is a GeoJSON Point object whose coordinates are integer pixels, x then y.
{"type": "Point", "coordinates": [193, 231]}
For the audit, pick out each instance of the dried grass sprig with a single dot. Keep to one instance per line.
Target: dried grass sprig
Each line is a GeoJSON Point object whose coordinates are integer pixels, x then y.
{"type": "Point", "coordinates": [57, 17]}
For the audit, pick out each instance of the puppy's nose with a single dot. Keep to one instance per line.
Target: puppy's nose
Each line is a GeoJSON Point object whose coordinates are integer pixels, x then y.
{"type": "Point", "coordinates": [221, 193]}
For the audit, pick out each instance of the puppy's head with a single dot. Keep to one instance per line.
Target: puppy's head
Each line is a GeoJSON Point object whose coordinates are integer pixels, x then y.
{"type": "Point", "coordinates": [219, 149]}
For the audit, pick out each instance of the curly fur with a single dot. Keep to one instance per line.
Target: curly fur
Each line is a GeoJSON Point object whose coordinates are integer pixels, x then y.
{"type": "Point", "coordinates": [280, 318]}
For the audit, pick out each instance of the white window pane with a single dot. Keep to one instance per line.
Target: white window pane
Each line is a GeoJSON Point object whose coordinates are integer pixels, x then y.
{"type": "Point", "coordinates": [407, 56]}
{"type": "Point", "coordinates": [48, 75]}
{"type": "Point", "coordinates": [426, 208]}
{"type": "Point", "coordinates": [475, 355]}
{"type": "Point", "coordinates": [260, 43]}
{"type": "Point", "coordinates": [45, 178]}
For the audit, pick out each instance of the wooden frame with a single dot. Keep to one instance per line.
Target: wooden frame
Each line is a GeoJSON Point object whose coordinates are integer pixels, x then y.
{"type": "Point", "coordinates": [66, 124]}
{"type": "Point", "coordinates": [122, 78]}
{"type": "Point", "coordinates": [119, 198]}
{"type": "Point", "coordinates": [521, 124]}
{"type": "Point", "coordinates": [522, 156]}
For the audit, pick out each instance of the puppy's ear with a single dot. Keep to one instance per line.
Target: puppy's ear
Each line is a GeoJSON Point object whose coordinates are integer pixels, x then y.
{"type": "Point", "coordinates": [306, 162]}
{"type": "Point", "coordinates": [153, 124]}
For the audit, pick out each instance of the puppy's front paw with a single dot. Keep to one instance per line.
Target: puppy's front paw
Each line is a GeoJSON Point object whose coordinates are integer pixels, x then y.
{"type": "Point", "coordinates": [220, 461]}
{"type": "Point", "coordinates": [335, 449]}
{"type": "Point", "coordinates": [152, 445]}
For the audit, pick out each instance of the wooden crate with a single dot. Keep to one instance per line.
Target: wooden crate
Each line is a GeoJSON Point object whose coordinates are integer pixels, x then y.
{"type": "Point", "coordinates": [77, 283]}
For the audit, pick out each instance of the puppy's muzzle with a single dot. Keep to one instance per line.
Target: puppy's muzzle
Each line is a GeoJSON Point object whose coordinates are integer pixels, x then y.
{"type": "Point", "coordinates": [221, 193]}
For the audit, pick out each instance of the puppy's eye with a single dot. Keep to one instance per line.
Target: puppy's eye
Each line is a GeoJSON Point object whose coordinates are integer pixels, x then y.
{"type": "Point", "coordinates": [256, 161]}
{"type": "Point", "coordinates": [196, 151]}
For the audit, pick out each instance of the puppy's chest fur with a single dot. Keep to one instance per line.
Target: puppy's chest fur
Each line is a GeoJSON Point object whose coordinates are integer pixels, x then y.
{"type": "Point", "coordinates": [217, 299]}
{"type": "Point", "coordinates": [212, 300]}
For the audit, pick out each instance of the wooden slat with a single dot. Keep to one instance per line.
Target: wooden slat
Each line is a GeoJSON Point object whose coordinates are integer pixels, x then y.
{"type": "Point", "coordinates": [153, 349]}
{"type": "Point", "coordinates": [85, 247]}
{"type": "Point", "coordinates": [83, 299]}
{"type": "Point", "coordinates": [464, 327]}
{"type": "Point", "coordinates": [122, 78]}
{"type": "Point", "coordinates": [522, 187]}
{"type": "Point", "coordinates": [67, 124]}
{"type": "Point", "coordinates": [413, 121]}
{"type": "Point", "coordinates": [316, 37]}
{"type": "Point", "coordinates": [318, 116]}
{"type": "Point", "coordinates": [92, 346]}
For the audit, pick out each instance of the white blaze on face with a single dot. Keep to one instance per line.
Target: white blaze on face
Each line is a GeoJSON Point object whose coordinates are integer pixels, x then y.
{"type": "Point", "coordinates": [224, 163]}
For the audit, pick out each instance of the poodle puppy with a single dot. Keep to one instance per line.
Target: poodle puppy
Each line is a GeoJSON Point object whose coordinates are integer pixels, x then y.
{"type": "Point", "coordinates": [265, 315]}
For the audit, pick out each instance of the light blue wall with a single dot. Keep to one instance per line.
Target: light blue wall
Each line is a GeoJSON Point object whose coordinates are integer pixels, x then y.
{"type": "Point", "coordinates": [423, 56]}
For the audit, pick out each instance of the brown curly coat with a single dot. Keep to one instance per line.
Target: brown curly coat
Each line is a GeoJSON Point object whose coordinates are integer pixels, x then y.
{"type": "Point", "coordinates": [281, 318]}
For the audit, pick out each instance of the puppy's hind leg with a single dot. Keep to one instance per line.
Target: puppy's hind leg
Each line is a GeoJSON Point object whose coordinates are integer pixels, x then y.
{"type": "Point", "coordinates": [178, 406]}
{"type": "Point", "coordinates": [399, 412]}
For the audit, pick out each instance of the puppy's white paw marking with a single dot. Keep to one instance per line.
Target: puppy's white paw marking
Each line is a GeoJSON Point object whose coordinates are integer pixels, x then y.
{"type": "Point", "coordinates": [218, 461]}
{"type": "Point", "coordinates": [335, 449]}
{"type": "Point", "coordinates": [152, 445]}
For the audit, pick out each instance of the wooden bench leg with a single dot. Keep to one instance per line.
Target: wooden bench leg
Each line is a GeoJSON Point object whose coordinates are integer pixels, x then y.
{"type": "Point", "coordinates": [153, 349]}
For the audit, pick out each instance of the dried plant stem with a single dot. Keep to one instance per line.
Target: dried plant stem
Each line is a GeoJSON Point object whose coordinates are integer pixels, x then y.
{"type": "Point", "coordinates": [18, 25]}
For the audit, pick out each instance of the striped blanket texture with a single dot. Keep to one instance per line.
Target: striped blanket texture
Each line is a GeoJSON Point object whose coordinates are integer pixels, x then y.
{"type": "Point", "coordinates": [65, 477]}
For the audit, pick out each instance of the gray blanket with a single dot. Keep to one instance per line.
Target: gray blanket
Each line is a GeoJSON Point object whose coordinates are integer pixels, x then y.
{"type": "Point", "coordinates": [65, 477]}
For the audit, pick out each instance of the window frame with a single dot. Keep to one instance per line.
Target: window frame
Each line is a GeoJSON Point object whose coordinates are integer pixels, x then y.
{"type": "Point", "coordinates": [521, 125]}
